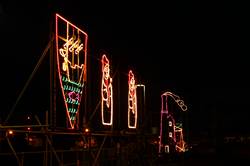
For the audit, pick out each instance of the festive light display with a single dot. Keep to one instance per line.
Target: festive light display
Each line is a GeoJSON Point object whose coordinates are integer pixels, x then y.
{"type": "Point", "coordinates": [171, 132]}
{"type": "Point", "coordinates": [71, 51]}
{"type": "Point", "coordinates": [132, 101]}
{"type": "Point", "coordinates": [107, 93]}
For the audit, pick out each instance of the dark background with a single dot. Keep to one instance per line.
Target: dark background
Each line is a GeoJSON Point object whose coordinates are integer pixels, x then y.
{"type": "Point", "coordinates": [197, 50]}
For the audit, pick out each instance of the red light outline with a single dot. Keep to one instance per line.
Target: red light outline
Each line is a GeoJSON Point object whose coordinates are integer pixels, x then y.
{"type": "Point", "coordinates": [132, 100]}
{"type": "Point", "coordinates": [179, 144]}
{"type": "Point", "coordinates": [107, 88]}
{"type": "Point", "coordinates": [83, 66]}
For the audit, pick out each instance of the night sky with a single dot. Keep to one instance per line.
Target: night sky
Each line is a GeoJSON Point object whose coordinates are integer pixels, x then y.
{"type": "Point", "coordinates": [197, 50]}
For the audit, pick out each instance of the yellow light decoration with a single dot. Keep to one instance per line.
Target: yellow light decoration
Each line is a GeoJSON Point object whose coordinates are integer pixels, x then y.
{"type": "Point", "coordinates": [180, 143]}
{"type": "Point", "coordinates": [71, 52]}
{"type": "Point", "coordinates": [107, 93]}
{"type": "Point", "coordinates": [132, 101]}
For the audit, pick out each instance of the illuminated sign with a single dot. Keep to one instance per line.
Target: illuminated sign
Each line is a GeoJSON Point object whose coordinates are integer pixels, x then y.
{"type": "Point", "coordinates": [107, 93]}
{"type": "Point", "coordinates": [171, 132]}
{"type": "Point", "coordinates": [132, 101]}
{"type": "Point", "coordinates": [71, 52]}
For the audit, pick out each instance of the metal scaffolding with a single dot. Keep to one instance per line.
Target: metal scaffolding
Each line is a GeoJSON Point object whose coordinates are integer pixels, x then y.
{"type": "Point", "coordinates": [47, 145]}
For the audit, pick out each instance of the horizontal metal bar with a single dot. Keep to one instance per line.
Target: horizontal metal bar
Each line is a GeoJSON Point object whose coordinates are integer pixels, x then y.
{"type": "Point", "coordinates": [21, 126]}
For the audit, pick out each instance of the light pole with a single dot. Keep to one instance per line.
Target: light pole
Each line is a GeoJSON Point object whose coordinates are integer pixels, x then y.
{"type": "Point", "coordinates": [144, 104]}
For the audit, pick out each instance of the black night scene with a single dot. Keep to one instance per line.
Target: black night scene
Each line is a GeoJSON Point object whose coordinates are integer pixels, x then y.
{"type": "Point", "coordinates": [196, 50]}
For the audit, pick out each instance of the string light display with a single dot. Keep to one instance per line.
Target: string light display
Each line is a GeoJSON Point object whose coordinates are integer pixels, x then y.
{"type": "Point", "coordinates": [71, 55]}
{"type": "Point", "coordinates": [132, 101]}
{"type": "Point", "coordinates": [107, 93]}
{"type": "Point", "coordinates": [171, 132]}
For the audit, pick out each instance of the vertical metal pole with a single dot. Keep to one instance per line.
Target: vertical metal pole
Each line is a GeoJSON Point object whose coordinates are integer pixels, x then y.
{"type": "Point", "coordinates": [86, 94]}
{"type": "Point", "coordinates": [77, 158]}
{"type": "Point", "coordinates": [46, 142]}
{"type": "Point", "coordinates": [13, 151]}
{"type": "Point", "coordinates": [143, 107]}
{"type": "Point", "coordinates": [144, 111]}
{"type": "Point", "coordinates": [118, 101]}
{"type": "Point", "coordinates": [51, 82]}
{"type": "Point", "coordinates": [52, 87]}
